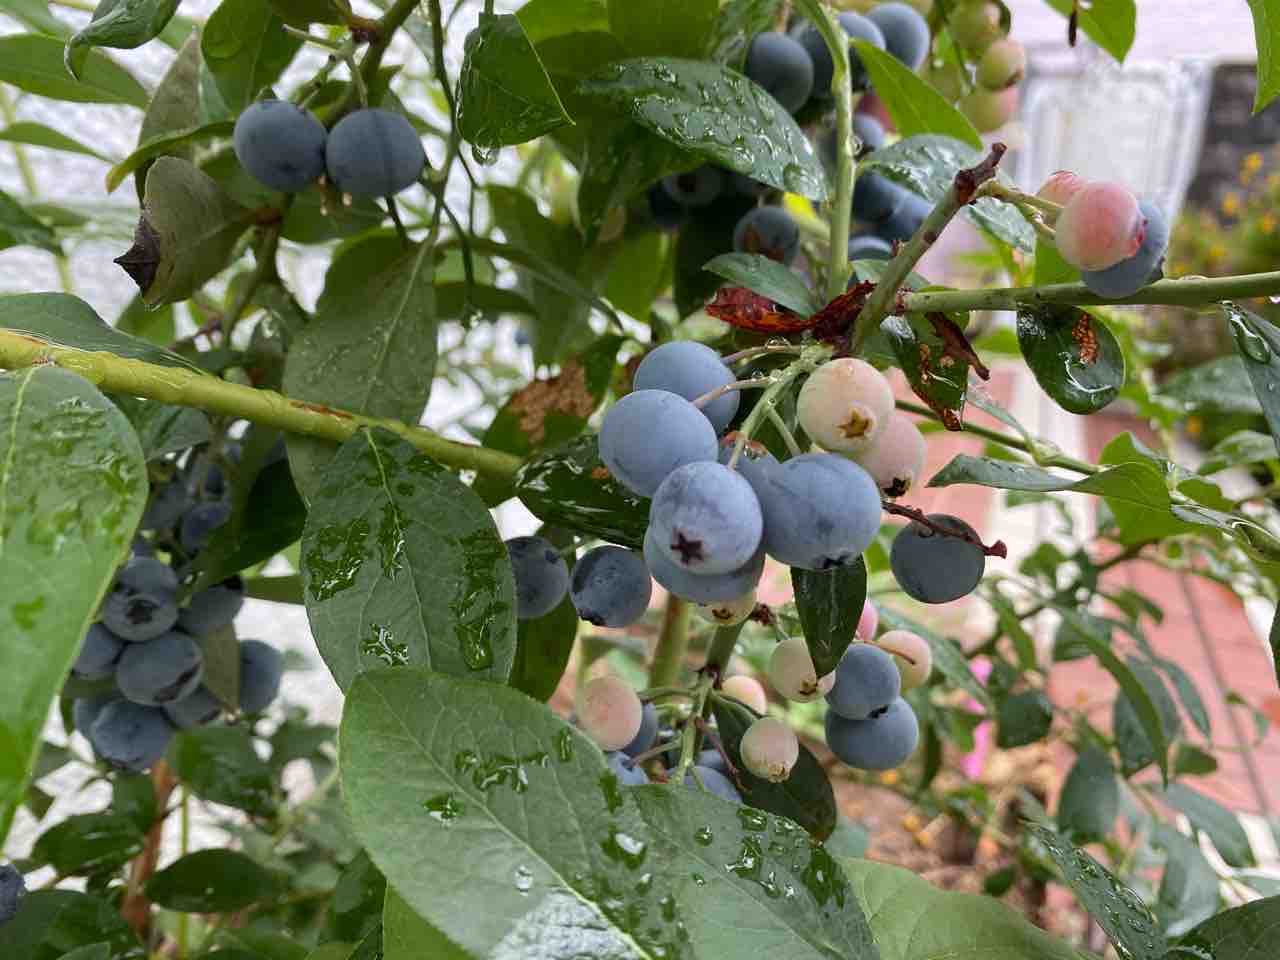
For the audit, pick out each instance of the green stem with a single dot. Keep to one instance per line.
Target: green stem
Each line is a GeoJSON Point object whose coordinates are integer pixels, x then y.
{"type": "Point", "coordinates": [718, 656]}
{"type": "Point", "coordinates": [1184, 292]}
{"type": "Point", "coordinates": [658, 693]}
{"type": "Point", "coordinates": [264, 268]}
{"type": "Point", "coordinates": [390, 22]}
{"type": "Point", "coordinates": [191, 388]}
{"type": "Point", "coordinates": [185, 840]}
{"type": "Point", "coordinates": [673, 643]}
{"type": "Point", "coordinates": [809, 359]}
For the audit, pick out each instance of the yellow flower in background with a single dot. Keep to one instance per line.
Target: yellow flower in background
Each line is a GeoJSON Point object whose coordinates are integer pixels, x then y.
{"type": "Point", "coordinates": [1231, 203]}
{"type": "Point", "coordinates": [1217, 252]}
{"type": "Point", "coordinates": [1250, 166]}
{"type": "Point", "coordinates": [1267, 224]}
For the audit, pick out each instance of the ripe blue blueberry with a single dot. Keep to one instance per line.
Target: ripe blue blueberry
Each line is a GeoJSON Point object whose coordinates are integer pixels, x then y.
{"type": "Point", "coordinates": [783, 67]}
{"type": "Point", "coordinates": [689, 369]}
{"type": "Point", "coordinates": [745, 186]}
{"type": "Point", "coordinates": [700, 588]}
{"type": "Point", "coordinates": [261, 667]}
{"type": "Point", "coordinates": [876, 198]}
{"type": "Point", "coordinates": [906, 33]}
{"type": "Point", "coordinates": [933, 567]}
{"type": "Point", "coordinates": [820, 511]}
{"type": "Point", "coordinates": [905, 219]}
{"type": "Point", "coordinates": [130, 736]}
{"type": "Point", "coordinates": [168, 503]}
{"type": "Point", "coordinates": [197, 709]}
{"type": "Point", "coordinates": [664, 210]}
{"type": "Point", "coordinates": [161, 670]}
{"type": "Point", "coordinates": [694, 188]}
{"type": "Point", "coordinates": [755, 463]}
{"type": "Point", "coordinates": [867, 680]}
{"type": "Point", "coordinates": [206, 479]}
{"type": "Point", "coordinates": [611, 587]}
{"type": "Point", "coordinates": [200, 524]}
{"type": "Point", "coordinates": [12, 889]}
{"type": "Point", "coordinates": [868, 246]}
{"type": "Point", "coordinates": [85, 710]}
{"type": "Point", "coordinates": [628, 772]}
{"type": "Point", "coordinates": [769, 231]}
{"type": "Point", "coordinates": [143, 600]}
{"type": "Point", "coordinates": [542, 577]}
{"type": "Point", "coordinates": [712, 759]}
{"type": "Point", "coordinates": [857, 27]}
{"type": "Point", "coordinates": [212, 608]}
{"type": "Point", "coordinates": [280, 145]}
{"type": "Point", "coordinates": [649, 433]}
{"type": "Point", "coordinates": [648, 733]}
{"type": "Point", "coordinates": [715, 782]}
{"type": "Point", "coordinates": [374, 153]}
{"type": "Point", "coordinates": [98, 655]}
{"type": "Point", "coordinates": [882, 741]}
{"type": "Point", "coordinates": [707, 518]}
{"type": "Point", "coordinates": [1129, 276]}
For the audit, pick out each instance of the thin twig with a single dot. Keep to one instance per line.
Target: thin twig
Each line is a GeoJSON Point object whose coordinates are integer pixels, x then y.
{"type": "Point", "coordinates": [997, 549]}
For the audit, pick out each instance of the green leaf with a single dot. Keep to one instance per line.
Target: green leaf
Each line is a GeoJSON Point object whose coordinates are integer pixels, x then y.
{"type": "Point", "coordinates": [212, 881]}
{"type": "Point", "coordinates": [220, 651]}
{"type": "Point", "coordinates": [453, 300]}
{"type": "Point", "coordinates": [402, 565]}
{"type": "Point", "coordinates": [927, 164]}
{"type": "Point", "coordinates": [219, 764]}
{"type": "Point", "coordinates": [912, 103]}
{"type": "Point", "coordinates": [406, 936]}
{"type": "Point", "coordinates": [371, 347]}
{"type": "Point", "coordinates": [1266, 28]}
{"type": "Point", "coordinates": [1188, 887]}
{"type": "Point", "coordinates": [89, 843]}
{"type": "Point", "coordinates": [716, 113]}
{"type": "Point", "coordinates": [736, 26]}
{"type": "Point", "coordinates": [52, 922]}
{"type": "Point", "coordinates": [19, 228]}
{"type": "Point", "coordinates": [504, 94]}
{"type": "Point", "coordinates": [90, 951]}
{"type": "Point", "coordinates": [805, 797]}
{"type": "Point", "coordinates": [948, 659]}
{"type": "Point", "coordinates": [1241, 448]}
{"type": "Point", "coordinates": [829, 604]}
{"type": "Point", "coordinates": [163, 428]}
{"type": "Point", "coordinates": [543, 647]}
{"type": "Point", "coordinates": [766, 277]}
{"type": "Point", "coordinates": [1192, 761]}
{"type": "Point", "coordinates": [639, 273]}
{"type": "Point", "coordinates": [38, 135]}
{"type": "Point", "coordinates": [60, 543]}
{"type": "Point", "coordinates": [1210, 817]}
{"type": "Point", "coordinates": [544, 19]}
{"type": "Point", "coordinates": [849, 840]}
{"type": "Point", "coordinates": [1188, 694]}
{"type": "Point", "coordinates": [1219, 386]}
{"type": "Point", "coordinates": [170, 143]}
{"type": "Point", "coordinates": [701, 240]}
{"type": "Point", "coordinates": [246, 48]}
{"type": "Point", "coordinates": [34, 63]}
{"type": "Point", "coordinates": [1251, 932]}
{"type": "Point", "coordinates": [1022, 719]}
{"type": "Point", "coordinates": [1119, 911]}
{"type": "Point", "coordinates": [1090, 800]}
{"type": "Point", "coordinates": [175, 104]}
{"type": "Point", "coordinates": [937, 375]}
{"type": "Point", "coordinates": [570, 487]}
{"type": "Point", "coordinates": [133, 796]}
{"type": "Point", "coordinates": [155, 326]}
{"type": "Point", "coordinates": [1258, 343]}
{"type": "Point", "coordinates": [300, 13]}
{"type": "Point", "coordinates": [914, 920]}
{"type": "Point", "coordinates": [1074, 355]}
{"type": "Point", "coordinates": [1050, 267]}
{"type": "Point", "coordinates": [1110, 25]}
{"type": "Point", "coordinates": [673, 28]}
{"type": "Point", "coordinates": [120, 24]}
{"type": "Point", "coordinates": [35, 15]}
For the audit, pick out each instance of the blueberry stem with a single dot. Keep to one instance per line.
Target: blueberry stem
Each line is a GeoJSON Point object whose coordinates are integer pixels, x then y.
{"type": "Point", "coordinates": [673, 643]}
{"type": "Point", "coordinates": [809, 359]}
{"type": "Point", "coordinates": [656, 693]}
{"type": "Point", "coordinates": [752, 352]}
{"type": "Point", "coordinates": [997, 549]}
{"type": "Point", "coordinates": [711, 396]}
{"type": "Point", "coordinates": [780, 425]}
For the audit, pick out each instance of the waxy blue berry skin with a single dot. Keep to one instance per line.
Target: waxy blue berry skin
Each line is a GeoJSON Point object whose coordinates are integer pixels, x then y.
{"type": "Point", "coordinates": [701, 588]}
{"type": "Point", "coordinates": [12, 889]}
{"type": "Point", "coordinates": [857, 27]}
{"type": "Point", "coordinates": [882, 741]}
{"type": "Point", "coordinates": [906, 32]}
{"type": "Point", "coordinates": [782, 66]}
{"type": "Point", "coordinates": [707, 518]}
{"type": "Point", "coordinates": [374, 153]}
{"type": "Point", "coordinates": [130, 736]}
{"type": "Point", "coordinates": [197, 709]}
{"type": "Point", "coordinates": [611, 587]}
{"type": "Point", "coordinates": [1129, 276]}
{"type": "Point", "coordinates": [933, 567]}
{"type": "Point", "coordinates": [769, 232]}
{"type": "Point", "coordinates": [690, 369]}
{"type": "Point", "coordinates": [694, 188]}
{"type": "Point", "coordinates": [542, 576]}
{"type": "Point", "coordinates": [98, 655]}
{"type": "Point", "coordinates": [280, 145]}
{"type": "Point", "coordinates": [868, 246]}
{"type": "Point", "coordinates": [143, 600]}
{"type": "Point", "coordinates": [629, 773]}
{"type": "Point", "coordinates": [261, 667]}
{"type": "Point", "coordinates": [161, 670]}
{"type": "Point", "coordinates": [867, 680]}
{"type": "Point", "coordinates": [649, 433]}
{"type": "Point", "coordinates": [820, 511]}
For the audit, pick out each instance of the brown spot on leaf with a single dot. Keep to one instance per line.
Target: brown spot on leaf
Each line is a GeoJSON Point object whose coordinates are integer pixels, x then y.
{"type": "Point", "coordinates": [956, 344]}
{"type": "Point", "coordinates": [600, 473]}
{"type": "Point", "coordinates": [1086, 338]}
{"type": "Point", "coordinates": [748, 310]}
{"type": "Point", "coordinates": [320, 408]}
{"type": "Point", "coordinates": [142, 259]}
{"type": "Point", "coordinates": [566, 393]}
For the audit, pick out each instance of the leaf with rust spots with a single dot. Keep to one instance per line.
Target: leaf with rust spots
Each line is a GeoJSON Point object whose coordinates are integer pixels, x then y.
{"type": "Point", "coordinates": [1074, 356]}
{"type": "Point", "coordinates": [1086, 339]}
{"type": "Point", "coordinates": [748, 310]}
{"type": "Point", "coordinates": [957, 345]}
{"type": "Point", "coordinates": [565, 394]}
{"type": "Point", "coordinates": [937, 371]}
{"type": "Point", "coordinates": [833, 322]}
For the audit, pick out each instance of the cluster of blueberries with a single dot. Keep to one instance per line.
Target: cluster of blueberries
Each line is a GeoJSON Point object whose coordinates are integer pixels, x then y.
{"type": "Point", "coordinates": [368, 153]}
{"type": "Point", "coordinates": [149, 645]}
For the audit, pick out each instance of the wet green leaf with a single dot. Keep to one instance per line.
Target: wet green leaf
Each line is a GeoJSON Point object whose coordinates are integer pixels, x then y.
{"type": "Point", "coordinates": [300, 13]}
{"type": "Point", "coordinates": [543, 647]}
{"type": "Point", "coordinates": [219, 764]}
{"type": "Point", "coordinates": [402, 565]}
{"type": "Point", "coordinates": [504, 94]}
{"type": "Point", "coordinates": [246, 48]}
{"type": "Point", "coordinates": [406, 936]}
{"type": "Point", "coordinates": [948, 659]}
{"type": "Point", "coordinates": [829, 603]}
{"type": "Point", "coordinates": [570, 487]}
{"type": "Point", "coordinates": [1219, 386]}
{"type": "Point", "coordinates": [768, 278]}
{"type": "Point", "coordinates": [163, 428]}
{"type": "Point", "coordinates": [1210, 817]}
{"type": "Point", "coordinates": [35, 16]}
{"type": "Point", "coordinates": [211, 881]}
{"type": "Point", "coordinates": [38, 135]}
{"type": "Point", "coordinates": [34, 63]}
{"type": "Point", "coordinates": [371, 347]}
{"type": "Point", "coordinates": [672, 28]}
{"type": "Point", "coordinates": [60, 543]}
{"type": "Point", "coordinates": [544, 19]}
{"type": "Point", "coordinates": [19, 228]}
{"type": "Point", "coordinates": [1090, 800]}
{"type": "Point", "coordinates": [1240, 448]}
{"type": "Point", "coordinates": [1251, 932]}
{"type": "Point", "coordinates": [52, 922]}
{"type": "Point", "coordinates": [717, 113]}
{"type": "Point", "coordinates": [120, 24]}
{"type": "Point", "coordinates": [1022, 719]}
{"type": "Point", "coordinates": [1188, 887]}
{"type": "Point", "coordinates": [1074, 355]}
{"type": "Point", "coordinates": [738, 23]}
{"type": "Point", "coordinates": [1110, 25]}
{"type": "Point", "coordinates": [913, 104]}
{"type": "Point", "coordinates": [1258, 344]}
{"type": "Point", "coordinates": [89, 843]}
{"type": "Point", "coordinates": [1266, 27]}
{"type": "Point", "coordinates": [938, 377]}
{"type": "Point", "coordinates": [169, 143]}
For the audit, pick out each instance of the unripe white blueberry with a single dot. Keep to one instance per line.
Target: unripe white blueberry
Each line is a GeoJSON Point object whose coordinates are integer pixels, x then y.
{"type": "Point", "coordinates": [1100, 226]}
{"type": "Point", "coordinates": [747, 690]}
{"type": "Point", "coordinates": [609, 712]}
{"type": "Point", "coordinates": [770, 749]}
{"type": "Point", "coordinates": [896, 460]}
{"type": "Point", "coordinates": [845, 404]}
{"type": "Point", "coordinates": [1061, 186]}
{"type": "Point", "coordinates": [728, 613]}
{"type": "Point", "coordinates": [903, 644]}
{"type": "Point", "coordinates": [792, 674]}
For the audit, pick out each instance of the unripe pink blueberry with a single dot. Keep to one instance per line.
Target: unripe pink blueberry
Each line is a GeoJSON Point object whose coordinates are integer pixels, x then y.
{"type": "Point", "coordinates": [903, 644]}
{"type": "Point", "coordinates": [770, 749]}
{"type": "Point", "coordinates": [728, 613]}
{"type": "Point", "coordinates": [1100, 226]}
{"type": "Point", "coordinates": [1061, 186]}
{"type": "Point", "coordinates": [869, 622]}
{"type": "Point", "coordinates": [845, 404]}
{"type": "Point", "coordinates": [609, 712]}
{"type": "Point", "coordinates": [792, 674]}
{"type": "Point", "coordinates": [989, 110]}
{"type": "Point", "coordinates": [1003, 65]}
{"type": "Point", "coordinates": [896, 460]}
{"type": "Point", "coordinates": [747, 690]}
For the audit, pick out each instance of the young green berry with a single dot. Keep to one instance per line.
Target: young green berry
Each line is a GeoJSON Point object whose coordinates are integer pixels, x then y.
{"type": "Point", "coordinates": [913, 655]}
{"type": "Point", "coordinates": [935, 567]}
{"type": "Point", "coordinates": [746, 690]}
{"type": "Point", "coordinates": [845, 405]}
{"type": "Point", "coordinates": [975, 25]}
{"type": "Point", "coordinates": [728, 613]}
{"type": "Point", "coordinates": [770, 749]}
{"type": "Point", "coordinates": [869, 622]}
{"type": "Point", "coordinates": [1099, 226]}
{"type": "Point", "coordinates": [1003, 65]}
{"type": "Point", "coordinates": [989, 110]}
{"type": "Point", "coordinates": [896, 460]}
{"type": "Point", "coordinates": [1061, 186]}
{"type": "Point", "coordinates": [882, 741]}
{"type": "Point", "coordinates": [610, 712]}
{"type": "Point", "coordinates": [792, 674]}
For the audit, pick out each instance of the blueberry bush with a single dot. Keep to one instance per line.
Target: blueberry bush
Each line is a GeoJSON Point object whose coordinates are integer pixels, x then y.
{"type": "Point", "coordinates": [709, 248]}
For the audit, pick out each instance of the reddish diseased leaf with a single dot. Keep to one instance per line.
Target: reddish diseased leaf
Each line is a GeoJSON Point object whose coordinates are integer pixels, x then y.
{"type": "Point", "coordinates": [956, 344]}
{"type": "Point", "coordinates": [833, 321]}
{"type": "Point", "coordinates": [747, 310]}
